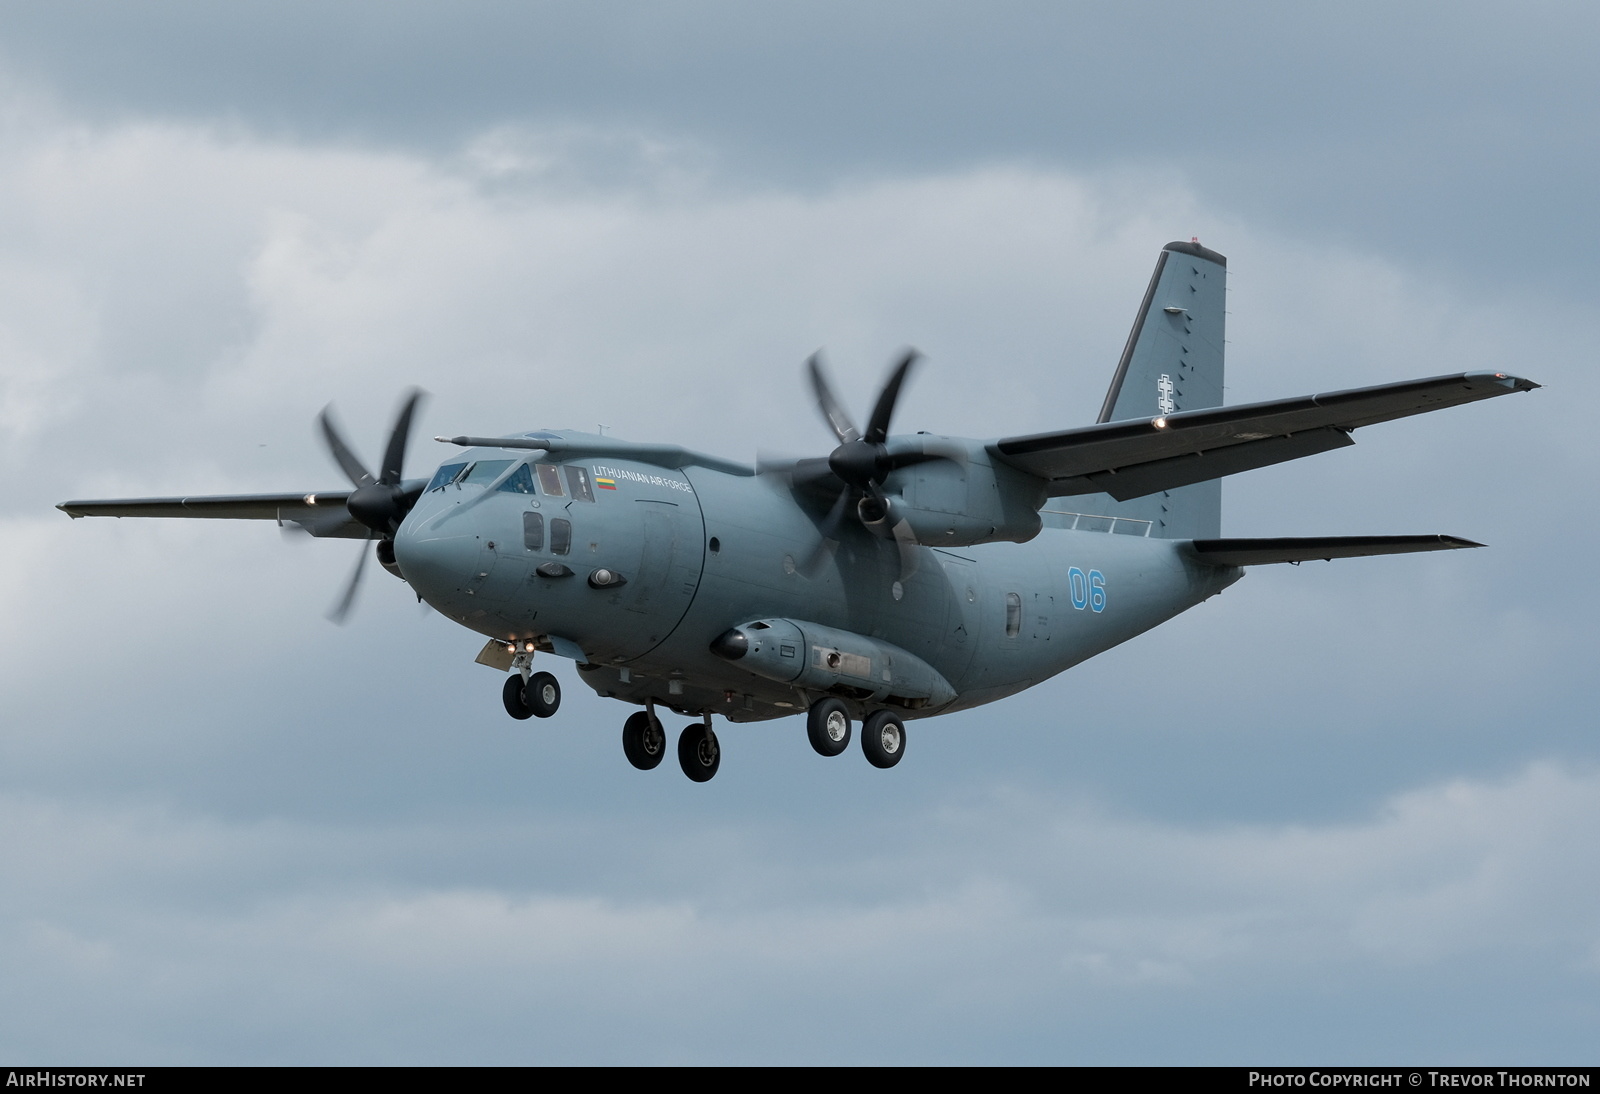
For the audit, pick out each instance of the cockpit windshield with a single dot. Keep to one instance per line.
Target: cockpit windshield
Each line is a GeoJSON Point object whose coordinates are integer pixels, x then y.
{"type": "Point", "coordinates": [484, 472]}
{"type": "Point", "coordinates": [519, 481]}
{"type": "Point", "coordinates": [446, 475]}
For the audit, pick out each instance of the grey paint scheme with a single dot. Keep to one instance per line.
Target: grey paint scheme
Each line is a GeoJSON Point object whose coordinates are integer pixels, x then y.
{"type": "Point", "coordinates": [997, 600]}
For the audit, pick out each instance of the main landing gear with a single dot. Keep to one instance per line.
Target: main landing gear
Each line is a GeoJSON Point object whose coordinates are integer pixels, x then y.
{"type": "Point", "coordinates": [828, 726]}
{"type": "Point", "coordinates": [538, 697]}
{"type": "Point", "coordinates": [644, 742]}
{"type": "Point", "coordinates": [883, 738]}
{"type": "Point", "coordinates": [698, 752]}
{"type": "Point", "coordinates": [883, 734]}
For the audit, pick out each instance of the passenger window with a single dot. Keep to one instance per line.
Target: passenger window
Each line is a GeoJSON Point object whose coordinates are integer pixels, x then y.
{"type": "Point", "coordinates": [446, 475]}
{"type": "Point", "coordinates": [550, 480]}
{"type": "Point", "coordinates": [1013, 615]}
{"type": "Point", "coordinates": [560, 535]}
{"type": "Point", "coordinates": [533, 531]}
{"type": "Point", "coordinates": [520, 482]}
{"type": "Point", "coordinates": [578, 483]}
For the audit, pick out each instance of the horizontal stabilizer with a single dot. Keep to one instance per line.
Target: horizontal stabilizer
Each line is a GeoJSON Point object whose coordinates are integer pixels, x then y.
{"type": "Point", "coordinates": [1259, 552]}
{"type": "Point", "coordinates": [1130, 459]}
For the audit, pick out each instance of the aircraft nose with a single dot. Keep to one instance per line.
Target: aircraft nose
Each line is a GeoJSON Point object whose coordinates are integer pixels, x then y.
{"type": "Point", "coordinates": [435, 565]}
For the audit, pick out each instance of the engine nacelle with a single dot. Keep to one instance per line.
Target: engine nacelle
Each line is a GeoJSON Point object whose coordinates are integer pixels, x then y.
{"type": "Point", "coordinates": [957, 502]}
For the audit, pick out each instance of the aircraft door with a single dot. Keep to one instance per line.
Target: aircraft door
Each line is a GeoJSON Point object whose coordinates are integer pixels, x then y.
{"type": "Point", "coordinates": [667, 574]}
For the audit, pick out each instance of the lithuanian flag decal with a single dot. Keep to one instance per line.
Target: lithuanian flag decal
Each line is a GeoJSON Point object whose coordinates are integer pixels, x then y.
{"type": "Point", "coordinates": [605, 484]}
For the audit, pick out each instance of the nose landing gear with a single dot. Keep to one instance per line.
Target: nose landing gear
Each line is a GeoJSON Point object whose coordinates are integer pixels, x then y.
{"type": "Point", "coordinates": [537, 697]}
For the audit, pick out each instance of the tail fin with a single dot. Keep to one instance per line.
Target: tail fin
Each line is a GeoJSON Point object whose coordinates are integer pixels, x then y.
{"type": "Point", "coordinates": [1172, 362]}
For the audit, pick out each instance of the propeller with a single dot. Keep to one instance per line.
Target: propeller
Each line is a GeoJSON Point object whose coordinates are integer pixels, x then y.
{"type": "Point", "coordinates": [381, 503]}
{"type": "Point", "coordinates": [862, 462]}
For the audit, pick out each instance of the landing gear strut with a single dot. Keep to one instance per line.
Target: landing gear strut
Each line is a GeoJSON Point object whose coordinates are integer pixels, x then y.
{"type": "Point", "coordinates": [698, 752]}
{"type": "Point", "coordinates": [644, 742]}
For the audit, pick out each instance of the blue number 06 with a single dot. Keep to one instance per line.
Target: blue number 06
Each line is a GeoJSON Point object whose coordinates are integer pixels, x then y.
{"type": "Point", "coordinates": [1087, 591]}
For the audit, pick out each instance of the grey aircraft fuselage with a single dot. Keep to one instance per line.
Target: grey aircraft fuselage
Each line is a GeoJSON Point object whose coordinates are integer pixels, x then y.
{"type": "Point", "coordinates": [702, 550]}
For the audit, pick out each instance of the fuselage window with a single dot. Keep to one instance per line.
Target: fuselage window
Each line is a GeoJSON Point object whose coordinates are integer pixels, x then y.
{"type": "Point", "coordinates": [1013, 615]}
{"type": "Point", "coordinates": [484, 472]}
{"type": "Point", "coordinates": [578, 483]}
{"type": "Point", "coordinates": [533, 531]}
{"type": "Point", "coordinates": [560, 535]}
{"type": "Point", "coordinates": [520, 482]}
{"type": "Point", "coordinates": [446, 475]}
{"type": "Point", "coordinates": [550, 480]}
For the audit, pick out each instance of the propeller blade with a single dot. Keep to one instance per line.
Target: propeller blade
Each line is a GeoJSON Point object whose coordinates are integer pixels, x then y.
{"type": "Point", "coordinates": [828, 533]}
{"type": "Point", "coordinates": [833, 410]}
{"type": "Point", "coordinates": [906, 540]}
{"type": "Point", "coordinates": [341, 610]}
{"type": "Point", "coordinates": [878, 424]}
{"type": "Point", "coordinates": [342, 455]}
{"type": "Point", "coordinates": [394, 457]}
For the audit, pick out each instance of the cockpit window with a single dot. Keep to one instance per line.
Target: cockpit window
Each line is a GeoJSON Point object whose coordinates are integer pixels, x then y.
{"type": "Point", "coordinates": [550, 480]}
{"type": "Point", "coordinates": [578, 483]}
{"type": "Point", "coordinates": [560, 536]}
{"type": "Point", "coordinates": [520, 481]}
{"type": "Point", "coordinates": [446, 475]}
{"type": "Point", "coordinates": [484, 472]}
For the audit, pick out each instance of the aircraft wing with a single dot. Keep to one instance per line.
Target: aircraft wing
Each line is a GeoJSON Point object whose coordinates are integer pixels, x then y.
{"type": "Point", "coordinates": [1130, 459]}
{"type": "Point", "coordinates": [321, 514]}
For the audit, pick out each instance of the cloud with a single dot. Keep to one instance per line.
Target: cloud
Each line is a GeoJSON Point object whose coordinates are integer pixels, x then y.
{"type": "Point", "coordinates": [284, 941]}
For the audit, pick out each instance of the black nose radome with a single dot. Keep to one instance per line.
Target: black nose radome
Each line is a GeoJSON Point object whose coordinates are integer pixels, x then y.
{"type": "Point", "coordinates": [732, 644]}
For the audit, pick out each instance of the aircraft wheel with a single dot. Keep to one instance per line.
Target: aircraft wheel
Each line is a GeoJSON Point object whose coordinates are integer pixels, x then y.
{"type": "Point", "coordinates": [698, 753]}
{"type": "Point", "coordinates": [828, 726]}
{"type": "Point", "coordinates": [542, 694]}
{"type": "Point", "coordinates": [883, 738]}
{"type": "Point", "coordinates": [513, 696]}
{"type": "Point", "coordinates": [644, 742]}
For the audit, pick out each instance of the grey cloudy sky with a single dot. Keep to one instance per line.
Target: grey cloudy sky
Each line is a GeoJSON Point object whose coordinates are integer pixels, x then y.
{"type": "Point", "coordinates": [1343, 812]}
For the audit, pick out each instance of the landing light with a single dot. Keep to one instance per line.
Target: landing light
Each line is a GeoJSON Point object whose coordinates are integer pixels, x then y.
{"type": "Point", "coordinates": [1160, 423]}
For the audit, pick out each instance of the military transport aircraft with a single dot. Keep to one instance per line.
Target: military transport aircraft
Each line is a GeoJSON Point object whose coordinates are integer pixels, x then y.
{"type": "Point", "coordinates": [899, 577]}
